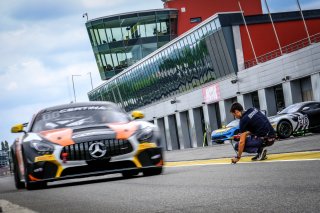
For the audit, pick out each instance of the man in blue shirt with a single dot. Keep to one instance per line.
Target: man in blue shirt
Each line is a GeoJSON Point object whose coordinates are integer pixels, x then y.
{"type": "Point", "coordinates": [256, 132]}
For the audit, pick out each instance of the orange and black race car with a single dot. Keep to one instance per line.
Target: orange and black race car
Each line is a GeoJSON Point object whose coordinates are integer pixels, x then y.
{"type": "Point", "coordinates": [84, 139]}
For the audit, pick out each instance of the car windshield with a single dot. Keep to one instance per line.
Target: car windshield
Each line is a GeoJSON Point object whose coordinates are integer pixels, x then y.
{"type": "Point", "coordinates": [291, 109]}
{"type": "Point", "coordinates": [234, 123]}
{"type": "Point", "coordinates": [78, 116]}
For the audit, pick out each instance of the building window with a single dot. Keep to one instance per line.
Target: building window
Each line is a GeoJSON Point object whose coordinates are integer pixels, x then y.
{"type": "Point", "coordinates": [195, 20]}
{"type": "Point", "coordinates": [255, 100]}
{"type": "Point", "coordinates": [306, 89]}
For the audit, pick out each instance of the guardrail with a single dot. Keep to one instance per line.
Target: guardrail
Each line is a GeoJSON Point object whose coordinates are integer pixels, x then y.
{"type": "Point", "coordinates": [285, 50]}
{"type": "Point", "coordinates": [4, 171]}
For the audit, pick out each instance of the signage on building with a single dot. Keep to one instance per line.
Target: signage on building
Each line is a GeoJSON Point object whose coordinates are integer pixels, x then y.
{"type": "Point", "coordinates": [211, 93]}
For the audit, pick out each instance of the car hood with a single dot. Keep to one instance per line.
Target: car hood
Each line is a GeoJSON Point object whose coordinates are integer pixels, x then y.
{"type": "Point", "coordinates": [277, 117]}
{"type": "Point", "coordinates": [68, 136]}
{"type": "Point", "coordinates": [222, 130]}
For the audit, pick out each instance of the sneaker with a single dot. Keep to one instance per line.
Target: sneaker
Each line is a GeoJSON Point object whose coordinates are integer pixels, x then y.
{"type": "Point", "coordinates": [263, 154]}
{"type": "Point", "coordinates": [255, 157]}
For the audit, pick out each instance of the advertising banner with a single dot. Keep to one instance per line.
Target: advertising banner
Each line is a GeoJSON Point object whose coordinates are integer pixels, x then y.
{"type": "Point", "coordinates": [211, 93]}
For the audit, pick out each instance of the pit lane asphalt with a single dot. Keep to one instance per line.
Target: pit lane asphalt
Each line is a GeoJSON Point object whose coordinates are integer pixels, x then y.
{"type": "Point", "coordinates": [252, 187]}
{"type": "Point", "coordinates": [310, 142]}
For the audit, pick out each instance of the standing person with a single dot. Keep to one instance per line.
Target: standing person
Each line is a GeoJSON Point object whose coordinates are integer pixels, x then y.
{"type": "Point", "coordinates": [256, 132]}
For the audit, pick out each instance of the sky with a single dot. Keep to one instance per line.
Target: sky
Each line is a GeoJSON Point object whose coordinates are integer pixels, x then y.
{"type": "Point", "coordinates": [43, 43]}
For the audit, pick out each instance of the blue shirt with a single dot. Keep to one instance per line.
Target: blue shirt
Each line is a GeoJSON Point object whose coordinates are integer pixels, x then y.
{"type": "Point", "coordinates": [255, 122]}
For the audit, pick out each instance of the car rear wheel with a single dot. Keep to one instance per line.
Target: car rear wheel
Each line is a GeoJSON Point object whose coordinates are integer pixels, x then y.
{"type": "Point", "coordinates": [284, 129]}
{"type": "Point", "coordinates": [219, 141]}
{"type": "Point", "coordinates": [152, 171]}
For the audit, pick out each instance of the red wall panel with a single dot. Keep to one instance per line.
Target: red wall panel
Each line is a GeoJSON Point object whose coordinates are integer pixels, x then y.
{"type": "Point", "coordinates": [207, 8]}
{"type": "Point", "coordinates": [264, 39]}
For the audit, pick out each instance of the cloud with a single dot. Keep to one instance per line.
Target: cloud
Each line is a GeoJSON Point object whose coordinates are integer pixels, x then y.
{"type": "Point", "coordinates": [276, 6]}
{"type": "Point", "coordinates": [310, 5]}
{"type": "Point", "coordinates": [31, 86]}
{"type": "Point", "coordinates": [31, 78]}
{"type": "Point", "coordinates": [43, 43]}
{"type": "Point", "coordinates": [11, 86]}
{"type": "Point", "coordinates": [35, 10]}
{"type": "Point", "coordinates": [102, 4]}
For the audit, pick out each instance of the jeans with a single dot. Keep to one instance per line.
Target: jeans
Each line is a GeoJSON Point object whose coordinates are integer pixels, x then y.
{"type": "Point", "coordinates": [252, 144]}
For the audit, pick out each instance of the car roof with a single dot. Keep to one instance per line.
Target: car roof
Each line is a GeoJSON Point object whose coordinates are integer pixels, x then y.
{"type": "Point", "coordinates": [308, 102]}
{"type": "Point", "coordinates": [305, 102]}
{"type": "Point", "coordinates": [80, 104]}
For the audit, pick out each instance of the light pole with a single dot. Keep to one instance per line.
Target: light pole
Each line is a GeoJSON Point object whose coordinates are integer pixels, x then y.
{"type": "Point", "coordinates": [74, 92]}
{"type": "Point", "coordinates": [90, 80]}
{"type": "Point", "coordinates": [85, 15]}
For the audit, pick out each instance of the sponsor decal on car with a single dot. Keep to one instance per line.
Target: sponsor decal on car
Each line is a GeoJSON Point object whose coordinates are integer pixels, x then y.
{"type": "Point", "coordinates": [45, 158]}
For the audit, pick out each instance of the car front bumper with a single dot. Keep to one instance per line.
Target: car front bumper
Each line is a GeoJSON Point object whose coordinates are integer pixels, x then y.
{"type": "Point", "coordinates": [52, 168]}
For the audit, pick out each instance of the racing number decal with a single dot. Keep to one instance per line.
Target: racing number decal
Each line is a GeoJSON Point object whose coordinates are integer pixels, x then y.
{"type": "Point", "coordinates": [303, 122]}
{"type": "Point", "coordinates": [50, 116]}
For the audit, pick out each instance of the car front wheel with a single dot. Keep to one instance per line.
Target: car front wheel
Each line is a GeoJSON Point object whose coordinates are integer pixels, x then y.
{"type": "Point", "coordinates": [32, 185]}
{"type": "Point", "coordinates": [129, 174]}
{"type": "Point", "coordinates": [152, 171]}
{"type": "Point", "coordinates": [284, 129]}
{"type": "Point", "coordinates": [18, 183]}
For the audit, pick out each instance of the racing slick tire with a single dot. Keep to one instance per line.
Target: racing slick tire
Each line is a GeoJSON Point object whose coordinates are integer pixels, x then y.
{"type": "Point", "coordinates": [152, 171]}
{"type": "Point", "coordinates": [129, 174]}
{"type": "Point", "coordinates": [284, 129]}
{"type": "Point", "coordinates": [33, 185]}
{"type": "Point", "coordinates": [315, 130]}
{"type": "Point", "coordinates": [17, 182]}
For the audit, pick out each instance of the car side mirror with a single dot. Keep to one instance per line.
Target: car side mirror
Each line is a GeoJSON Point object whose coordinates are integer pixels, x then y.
{"type": "Point", "coordinates": [137, 114]}
{"type": "Point", "coordinates": [305, 108]}
{"type": "Point", "coordinates": [17, 128]}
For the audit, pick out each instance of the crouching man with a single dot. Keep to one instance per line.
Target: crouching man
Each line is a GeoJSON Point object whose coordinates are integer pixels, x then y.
{"type": "Point", "coordinates": [256, 132]}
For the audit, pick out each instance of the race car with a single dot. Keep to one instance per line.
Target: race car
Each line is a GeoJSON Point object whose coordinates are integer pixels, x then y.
{"type": "Point", "coordinates": [225, 133]}
{"type": "Point", "coordinates": [84, 139]}
{"type": "Point", "coordinates": [296, 118]}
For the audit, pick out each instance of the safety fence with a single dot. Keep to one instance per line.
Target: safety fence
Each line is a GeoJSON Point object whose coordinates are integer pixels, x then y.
{"type": "Point", "coordinates": [285, 50]}
{"type": "Point", "coordinates": [4, 171]}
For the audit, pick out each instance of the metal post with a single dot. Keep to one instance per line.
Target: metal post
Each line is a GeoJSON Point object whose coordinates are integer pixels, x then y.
{"type": "Point", "coordinates": [85, 15]}
{"type": "Point", "coordinates": [74, 91]}
{"type": "Point", "coordinates": [304, 22]}
{"type": "Point", "coordinates": [245, 24]}
{"type": "Point", "coordinates": [274, 29]}
{"type": "Point", "coordinates": [91, 80]}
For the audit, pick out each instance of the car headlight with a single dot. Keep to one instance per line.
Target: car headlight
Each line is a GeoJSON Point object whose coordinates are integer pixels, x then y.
{"type": "Point", "coordinates": [41, 147]}
{"type": "Point", "coordinates": [145, 134]}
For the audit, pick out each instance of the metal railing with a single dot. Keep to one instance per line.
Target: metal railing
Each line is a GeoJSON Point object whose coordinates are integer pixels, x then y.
{"type": "Point", "coordinates": [285, 50]}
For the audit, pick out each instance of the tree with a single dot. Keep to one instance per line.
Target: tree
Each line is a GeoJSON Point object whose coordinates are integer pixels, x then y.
{"type": "Point", "coordinates": [6, 144]}
{"type": "Point", "coordinates": [2, 145]}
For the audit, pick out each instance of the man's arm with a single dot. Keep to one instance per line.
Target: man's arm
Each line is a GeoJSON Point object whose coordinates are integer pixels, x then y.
{"type": "Point", "coordinates": [242, 143]}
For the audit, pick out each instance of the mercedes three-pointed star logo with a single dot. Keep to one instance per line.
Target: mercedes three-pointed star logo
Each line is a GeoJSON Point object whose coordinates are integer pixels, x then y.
{"type": "Point", "coordinates": [97, 150]}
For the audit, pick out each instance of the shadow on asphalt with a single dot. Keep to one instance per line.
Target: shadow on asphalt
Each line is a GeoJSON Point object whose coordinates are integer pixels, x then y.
{"type": "Point", "coordinates": [78, 181]}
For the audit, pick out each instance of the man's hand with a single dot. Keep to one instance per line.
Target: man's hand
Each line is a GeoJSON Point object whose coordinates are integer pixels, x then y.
{"type": "Point", "coordinates": [235, 160]}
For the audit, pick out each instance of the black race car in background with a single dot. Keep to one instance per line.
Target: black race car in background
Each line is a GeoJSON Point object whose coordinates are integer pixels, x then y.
{"type": "Point", "coordinates": [84, 139]}
{"type": "Point", "coordinates": [299, 117]}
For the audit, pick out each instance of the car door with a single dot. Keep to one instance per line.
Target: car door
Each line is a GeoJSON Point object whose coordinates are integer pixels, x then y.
{"type": "Point", "coordinates": [313, 113]}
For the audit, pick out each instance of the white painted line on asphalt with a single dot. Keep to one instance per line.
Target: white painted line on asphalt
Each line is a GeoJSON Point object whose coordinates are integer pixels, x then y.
{"type": "Point", "coordinates": [273, 161]}
{"type": "Point", "coordinates": [8, 207]}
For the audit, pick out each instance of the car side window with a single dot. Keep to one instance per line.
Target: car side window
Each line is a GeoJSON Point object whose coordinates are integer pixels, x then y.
{"type": "Point", "coordinates": [313, 106]}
